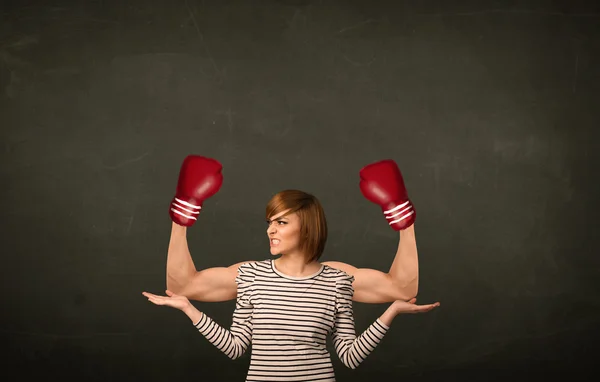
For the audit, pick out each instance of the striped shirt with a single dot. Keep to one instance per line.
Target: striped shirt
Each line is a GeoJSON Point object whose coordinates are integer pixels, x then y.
{"type": "Point", "coordinates": [287, 320]}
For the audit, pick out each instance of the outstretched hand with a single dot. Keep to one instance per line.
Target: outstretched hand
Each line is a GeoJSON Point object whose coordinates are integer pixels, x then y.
{"type": "Point", "coordinates": [171, 299]}
{"type": "Point", "coordinates": [402, 307]}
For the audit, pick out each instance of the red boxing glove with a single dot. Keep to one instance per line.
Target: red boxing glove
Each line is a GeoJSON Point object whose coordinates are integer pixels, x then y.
{"type": "Point", "coordinates": [381, 183]}
{"type": "Point", "coordinates": [199, 179]}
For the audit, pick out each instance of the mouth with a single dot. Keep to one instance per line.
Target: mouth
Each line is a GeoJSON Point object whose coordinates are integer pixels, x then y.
{"type": "Point", "coordinates": [274, 242]}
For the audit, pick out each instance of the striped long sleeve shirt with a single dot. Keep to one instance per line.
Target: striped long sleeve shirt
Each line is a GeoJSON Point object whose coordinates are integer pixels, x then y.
{"type": "Point", "coordinates": [287, 319]}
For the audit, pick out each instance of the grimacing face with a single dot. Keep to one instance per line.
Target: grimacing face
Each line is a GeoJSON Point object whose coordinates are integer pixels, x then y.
{"type": "Point", "coordinates": [284, 233]}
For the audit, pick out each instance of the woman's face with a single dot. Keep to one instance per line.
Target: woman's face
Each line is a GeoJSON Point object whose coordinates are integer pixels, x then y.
{"type": "Point", "coordinates": [284, 233]}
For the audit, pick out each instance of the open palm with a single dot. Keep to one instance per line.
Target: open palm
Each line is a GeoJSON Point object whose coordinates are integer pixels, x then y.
{"type": "Point", "coordinates": [171, 299]}
{"type": "Point", "coordinates": [410, 306]}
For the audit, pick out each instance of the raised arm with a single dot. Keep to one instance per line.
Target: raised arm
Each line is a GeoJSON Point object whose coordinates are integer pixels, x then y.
{"type": "Point", "coordinates": [199, 179]}
{"type": "Point", "coordinates": [207, 285]}
{"type": "Point", "coordinates": [383, 184]}
{"type": "Point", "coordinates": [401, 282]}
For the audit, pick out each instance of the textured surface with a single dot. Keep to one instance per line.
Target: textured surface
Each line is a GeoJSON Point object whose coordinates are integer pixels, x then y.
{"type": "Point", "coordinates": [490, 108]}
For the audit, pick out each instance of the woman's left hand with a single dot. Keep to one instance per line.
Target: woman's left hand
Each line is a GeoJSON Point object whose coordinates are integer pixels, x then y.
{"type": "Point", "coordinates": [171, 299]}
{"type": "Point", "coordinates": [402, 307]}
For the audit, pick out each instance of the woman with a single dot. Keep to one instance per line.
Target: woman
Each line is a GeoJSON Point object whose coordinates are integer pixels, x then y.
{"type": "Point", "coordinates": [287, 306]}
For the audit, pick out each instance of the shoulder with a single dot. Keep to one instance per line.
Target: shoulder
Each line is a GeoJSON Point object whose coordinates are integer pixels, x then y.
{"type": "Point", "coordinates": [338, 276]}
{"type": "Point", "coordinates": [246, 273]}
{"type": "Point", "coordinates": [254, 267]}
{"type": "Point", "coordinates": [342, 283]}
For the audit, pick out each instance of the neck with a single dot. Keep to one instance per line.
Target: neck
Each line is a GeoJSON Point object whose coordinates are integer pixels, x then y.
{"type": "Point", "coordinates": [296, 265]}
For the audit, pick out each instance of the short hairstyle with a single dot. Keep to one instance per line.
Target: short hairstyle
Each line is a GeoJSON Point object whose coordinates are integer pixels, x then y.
{"type": "Point", "coordinates": [313, 224]}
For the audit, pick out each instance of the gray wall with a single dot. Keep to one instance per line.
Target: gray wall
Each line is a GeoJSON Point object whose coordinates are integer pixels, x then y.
{"type": "Point", "coordinates": [490, 108]}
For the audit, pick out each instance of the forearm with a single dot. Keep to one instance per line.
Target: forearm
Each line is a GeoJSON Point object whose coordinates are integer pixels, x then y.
{"type": "Point", "coordinates": [405, 267]}
{"type": "Point", "coordinates": [353, 350]}
{"type": "Point", "coordinates": [388, 316]}
{"type": "Point", "coordinates": [193, 314]}
{"type": "Point", "coordinates": [233, 343]}
{"type": "Point", "coordinates": [180, 266]}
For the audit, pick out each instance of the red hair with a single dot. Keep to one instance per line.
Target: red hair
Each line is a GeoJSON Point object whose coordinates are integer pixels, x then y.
{"type": "Point", "coordinates": [313, 224]}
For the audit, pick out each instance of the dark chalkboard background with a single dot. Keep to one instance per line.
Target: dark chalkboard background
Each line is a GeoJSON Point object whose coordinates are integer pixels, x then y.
{"type": "Point", "coordinates": [490, 108]}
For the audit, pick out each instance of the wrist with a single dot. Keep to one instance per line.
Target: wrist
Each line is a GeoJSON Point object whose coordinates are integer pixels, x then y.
{"type": "Point", "coordinates": [193, 314]}
{"type": "Point", "coordinates": [188, 309]}
{"type": "Point", "coordinates": [177, 229]}
{"type": "Point", "coordinates": [388, 316]}
{"type": "Point", "coordinates": [394, 311]}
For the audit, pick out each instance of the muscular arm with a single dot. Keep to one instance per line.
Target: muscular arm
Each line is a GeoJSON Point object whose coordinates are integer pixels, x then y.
{"type": "Point", "coordinates": [401, 282]}
{"type": "Point", "coordinates": [208, 285]}
{"type": "Point", "coordinates": [217, 284]}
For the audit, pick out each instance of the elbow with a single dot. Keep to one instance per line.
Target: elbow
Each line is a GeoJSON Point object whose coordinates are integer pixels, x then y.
{"type": "Point", "coordinates": [415, 286]}
{"type": "Point", "coordinates": [175, 285]}
{"type": "Point", "coordinates": [406, 291]}
{"type": "Point", "coordinates": [413, 289]}
{"type": "Point", "coordinates": [236, 349]}
{"type": "Point", "coordinates": [349, 363]}
{"type": "Point", "coordinates": [237, 354]}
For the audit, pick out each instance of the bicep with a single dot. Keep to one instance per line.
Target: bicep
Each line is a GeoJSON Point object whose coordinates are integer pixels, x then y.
{"type": "Point", "coordinates": [374, 287]}
{"type": "Point", "coordinates": [370, 285]}
{"type": "Point", "coordinates": [213, 284]}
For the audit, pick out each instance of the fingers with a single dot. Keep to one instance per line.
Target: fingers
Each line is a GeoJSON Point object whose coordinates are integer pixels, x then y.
{"type": "Point", "coordinates": [422, 309]}
{"type": "Point", "coordinates": [426, 308]}
{"type": "Point", "coordinates": [146, 294]}
{"type": "Point", "coordinates": [149, 295]}
{"type": "Point", "coordinates": [155, 299]}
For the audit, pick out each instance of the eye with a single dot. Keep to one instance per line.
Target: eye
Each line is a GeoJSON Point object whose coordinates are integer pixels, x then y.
{"type": "Point", "coordinates": [279, 222]}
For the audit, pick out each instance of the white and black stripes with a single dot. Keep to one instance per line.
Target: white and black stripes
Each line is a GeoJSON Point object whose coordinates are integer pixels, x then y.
{"type": "Point", "coordinates": [233, 342]}
{"type": "Point", "coordinates": [288, 319]}
{"type": "Point", "coordinates": [352, 350]}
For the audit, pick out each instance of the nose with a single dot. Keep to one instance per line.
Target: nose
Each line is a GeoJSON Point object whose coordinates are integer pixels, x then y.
{"type": "Point", "coordinates": [271, 229]}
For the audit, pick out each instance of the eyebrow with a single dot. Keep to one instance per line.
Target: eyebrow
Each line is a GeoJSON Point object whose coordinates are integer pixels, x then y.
{"type": "Point", "coordinates": [280, 218]}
